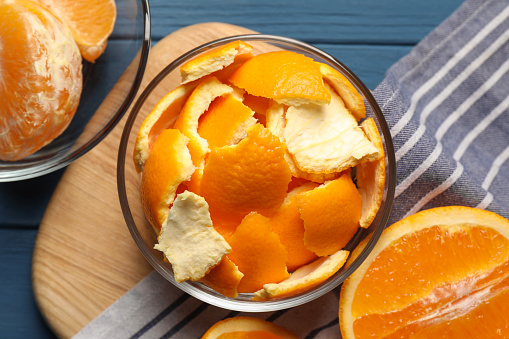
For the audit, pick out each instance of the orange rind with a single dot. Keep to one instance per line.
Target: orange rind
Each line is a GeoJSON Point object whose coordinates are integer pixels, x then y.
{"type": "Point", "coordinates": [258, 253]}
{"type": "Point", "coordinates": [250, 176]}
{"type": "Point", "coordinates": [287, 77]}
{"type": "Point", "coordinates": [346, 91]}
{"type": "Point", "coordinates": [162, 116]}
{"type": "Point", "coordinates": [331, 214]}
{"type": "Point", "coordinates": [214, 60]}
{"type": "Point", "coordinates": [225, 122]}
{"type": "Point", "coordinates": [188, 240]}
{"type": "Point", "coordinates": [326, 139]}
{"type": "Point", "coordinates": [452, 269]}
{"type": "Point", "coordinates": [168, 165]}
{"type": "Point", "coordinates": [371, 176]}
{"type": "Point", "coordinates": [247, 328]}
{"type": "Point", "coordinates": [224, 278]}
{"type": "Point", "coordinates": [303, 279]}
{"type": "Point", "coordinates": [90, 22]}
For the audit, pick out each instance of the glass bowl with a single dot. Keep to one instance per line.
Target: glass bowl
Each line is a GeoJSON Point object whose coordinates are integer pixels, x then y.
{"type": "Point", "coordinates": [118, 70]}
{"type": "Point", "coordinates": [128, 180]}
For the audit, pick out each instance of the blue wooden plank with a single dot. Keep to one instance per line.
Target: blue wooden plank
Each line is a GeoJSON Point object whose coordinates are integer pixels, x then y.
{"type": "Point", "coordinates": [19, 316]}
{"type": "Point", "coordinates": [323, 21]}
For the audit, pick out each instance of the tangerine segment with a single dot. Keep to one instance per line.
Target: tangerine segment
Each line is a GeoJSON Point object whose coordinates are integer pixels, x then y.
{"type": "Point", "coordinates": [235, 52]}
{"type": "Point", "coordinates": [224, 278]}
{"type": "Point", "coordinates": [258, 253]}
{"type": "Point", "coordinates": [161, 117]}
{"type": "Point", "coordinates": [90, 22]}
{"type": "Point", "coordinates": [331, 214]}
{"type": "Point", "coordinates": [436, 286]}
{"type": "Point", "coordinates": [188, 240]}
{"type": "Point", "coordinates": [288, 225]}
{"type": "Point", "coordinates": [326, 139]}
{"type": "Point", "coordinates": [345, 89]}
{"type": "Point", "coordinates": [371, 176]}
{"type": "Point", "coordinates": [250, 176]}
{"type": "Point", "coordinates": [287, 77]}
{"type": "Point", "coordinates": [304, 279]}
{"type": "Point", "coordinates": [225, 122]}
{"type": "Point", "coordinates": [40, 78]}
{"type": "Point", "coordinates": [248, 328]}
{"type": "Point", "coordinates": [167, 166]}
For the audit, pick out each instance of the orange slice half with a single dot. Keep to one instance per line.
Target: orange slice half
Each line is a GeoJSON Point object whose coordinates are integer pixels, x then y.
{"type": "Point", "coordinates": [247, 328]}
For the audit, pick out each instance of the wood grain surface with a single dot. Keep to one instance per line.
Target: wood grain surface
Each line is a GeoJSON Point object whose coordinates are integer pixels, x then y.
{"type": "Point", "coordinates": [84, 257]}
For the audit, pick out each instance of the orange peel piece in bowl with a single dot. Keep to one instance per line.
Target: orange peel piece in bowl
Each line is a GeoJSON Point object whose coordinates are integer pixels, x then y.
{"type": "Point", "coordinates": [162, 116]}
{"type": "Point", "coordinates": [225, 122]}
{"type": "Point", "coordinates": [214, 60]}
{"type": "Point", "coordinates": [304, 278]}
{"type": "Point", "coordinates": [188, 240]}
{"type": "Point", "coordinates": [168, 165]}
{"type": "Point", "coordinates": [258, 253]}
{"type": "Point", "coordinates": [250, 176]}
{"type": "Point", "coordinates": [224, 278]}
{"type": "Point", "coordinates": [247, 328]}
{"type": "Point", "coordinates": [331, 214]}
{"type": "Point", "coordinates": [345, 89]}
{"type": "Point", "coordinates": [288, 225]}
{"type": "Point", "coordinates": [371, 176]}
{"type": "Point", "coordinates": [287, 77]}
{"type": "Point", "coordinates": [326, 139]}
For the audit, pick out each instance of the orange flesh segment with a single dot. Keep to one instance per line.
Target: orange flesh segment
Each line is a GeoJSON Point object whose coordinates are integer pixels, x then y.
{"type": "Point", "coordinates": [224, 278]}
{"type": "Point", "coordinates": [287, 77]}
{"type": "Point", "coordinates": [216, 61]}
{"type": "Point", "coordinates": [225, 122]}
{"type": "Point", "coordinates": [168, 165]}
{"type": "Point", "coordinates": [250, 176]}
{"type": "Point", "coordinates": [258, 253]}
{"type": "Point", "coordinates": [288, 225]}
{"type": "Point", "coordinates": [331, 215]}
{"type": "Point", "coordinates": [453, 288]}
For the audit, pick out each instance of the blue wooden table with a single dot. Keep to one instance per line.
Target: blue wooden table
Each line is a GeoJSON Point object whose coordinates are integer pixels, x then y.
{"type": "Point", "coordinates": [366, 35]}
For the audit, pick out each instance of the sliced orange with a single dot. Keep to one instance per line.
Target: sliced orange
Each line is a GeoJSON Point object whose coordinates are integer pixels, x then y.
{"type": "Point", "coordinates": [217, 59]}
{"type": "Point", "coordinates": [90, 22]}
{"type": "Point", "coordinates": [188, 240]}
{"type": "Point", "coordinates": [168, 165]}
{"type": "Point", "coordinates": [224, 278]}
{"type": "Point", "coordinates": [287, 77]}
{"type": "Point", "coordinates": [345, 89]}
{"type": "Point", "coordinates": [40, 78]}
{"type": "Point", "coordinates": [225, 122]}
{"type": "Point", "coordinates": [371, 176]}
{"type": "Point", "coordinates": [162, 116]}
{"type": "Point", "coordinates": [258, 253]}
{"type": "Point", "coordinates": [247, 328]}
{"type": "Point", "coordinates": [250, 176]}
{"type": "Point", "coordinates": [304, 279]}
{"type": "Point", "coordinates": [441, 273]}
{"type": "Point", "coordinates": [288, 225]}
{"type": "Point", "coordinates": [331, 214]}
{"type": "Point", "coordinates": [326, 139]}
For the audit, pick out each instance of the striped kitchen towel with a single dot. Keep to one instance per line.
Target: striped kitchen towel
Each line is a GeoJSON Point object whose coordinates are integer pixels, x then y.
{"type": "Point", "coordinates": [447, 104]}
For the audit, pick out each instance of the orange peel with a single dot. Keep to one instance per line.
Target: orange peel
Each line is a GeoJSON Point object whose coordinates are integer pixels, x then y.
{"type": "Point", "coordinates": [224, 278]}
{"type": "Point", "coordinates": [168, 165]}
{"type": "Point", "coordinates": [371, 176]}
{"type": "Point", "coordinates": [304, 278]}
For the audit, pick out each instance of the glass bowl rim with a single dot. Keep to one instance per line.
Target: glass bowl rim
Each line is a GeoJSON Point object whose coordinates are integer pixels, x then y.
{"type": "Point", "coordinates": [245, 305]}
{"type": "Point", "coordinates": [54, 164]}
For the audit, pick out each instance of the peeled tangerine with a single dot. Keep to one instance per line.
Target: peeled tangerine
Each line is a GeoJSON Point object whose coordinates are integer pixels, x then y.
{"type": "Point", "coordinates": [40, 78]}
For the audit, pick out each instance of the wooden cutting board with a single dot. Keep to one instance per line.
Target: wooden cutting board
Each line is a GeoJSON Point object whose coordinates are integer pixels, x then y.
{"type": "Point", "coordinates": [84, 257]}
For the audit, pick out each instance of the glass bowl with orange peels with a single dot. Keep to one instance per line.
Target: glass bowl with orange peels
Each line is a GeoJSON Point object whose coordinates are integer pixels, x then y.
{"type": "Point", "coordinates": [67, 78]}
{"type": "Point", "coordinates": [250, 168]}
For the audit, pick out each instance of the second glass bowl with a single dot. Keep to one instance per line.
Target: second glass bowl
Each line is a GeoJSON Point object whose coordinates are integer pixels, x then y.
{"type": "Point", "coordinates": [128, 179]}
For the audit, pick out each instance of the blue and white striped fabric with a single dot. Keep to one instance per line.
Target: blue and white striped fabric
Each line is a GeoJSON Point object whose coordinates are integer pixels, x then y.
{"type": "Point", "coordinates": [447, 104]}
